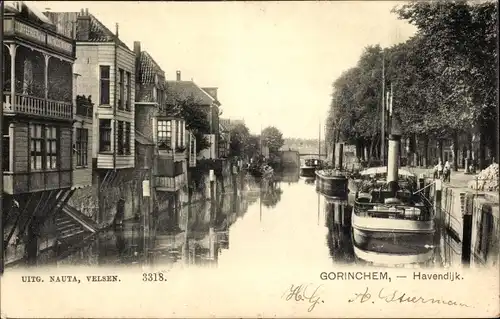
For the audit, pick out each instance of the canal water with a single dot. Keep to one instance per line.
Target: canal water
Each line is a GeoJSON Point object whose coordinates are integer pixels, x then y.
{"type": "Point", "coordinates": [253, 224]}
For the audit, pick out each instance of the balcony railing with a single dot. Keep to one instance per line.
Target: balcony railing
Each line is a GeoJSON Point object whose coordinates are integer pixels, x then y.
{"type": "Point", "coordinates": [170, 183]}
{"type": "Point", "coordinates": [84, 110]}
{"type": "Point", "coordinates": [37, 106]}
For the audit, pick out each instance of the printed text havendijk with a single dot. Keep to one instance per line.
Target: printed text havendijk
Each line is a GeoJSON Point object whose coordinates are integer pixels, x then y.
{"type": "Point", "coordinates": [450, 276]}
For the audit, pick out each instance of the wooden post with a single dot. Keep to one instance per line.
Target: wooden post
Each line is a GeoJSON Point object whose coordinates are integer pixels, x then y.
{"type": "Point", "coordinates": [438, 190]}
{"type": "Point", "coordinates": [421, 181]}
{"type": "Point", "coordinates": [212, 184]}
{"type": "Point", "coordinates": [467, 214]}
{"type": "Point", "coordinates": [234, 179]}
{"type": "Point", "coordinates": [383, 116]}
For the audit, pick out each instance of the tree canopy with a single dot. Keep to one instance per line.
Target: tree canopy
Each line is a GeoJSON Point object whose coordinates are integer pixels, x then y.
{"type": "Point", "coordinates": [443, 78]}
{"type": "Point", "coordinates": [272, 138]}
{"type": "Point", "coordinates": [239, 137]}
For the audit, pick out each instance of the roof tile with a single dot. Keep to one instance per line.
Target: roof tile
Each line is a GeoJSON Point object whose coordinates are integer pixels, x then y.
{"type": "Point", "coordinates": [186, 89]}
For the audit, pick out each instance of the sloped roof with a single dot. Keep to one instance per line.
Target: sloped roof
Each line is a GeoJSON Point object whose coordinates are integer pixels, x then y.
{"type": "Point", "coordinates": [100, 33]}
{"type": "Point", "coordinates": [148, 68]}
{"type": "Point", "coordinates": [186, 89]}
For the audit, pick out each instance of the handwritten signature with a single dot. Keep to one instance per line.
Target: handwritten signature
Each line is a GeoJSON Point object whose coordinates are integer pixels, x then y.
{"type": "Point", "coordinates": [300, 293]}
{"type": "Point", "coordinates": [401, 297]}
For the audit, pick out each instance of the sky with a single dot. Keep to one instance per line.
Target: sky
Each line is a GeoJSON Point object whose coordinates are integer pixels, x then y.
{"type": "Point", "coordinates": [273, 62]}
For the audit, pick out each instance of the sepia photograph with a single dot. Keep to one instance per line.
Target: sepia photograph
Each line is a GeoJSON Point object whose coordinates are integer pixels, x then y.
{"type": "Point", "coordinates": [249, 159]}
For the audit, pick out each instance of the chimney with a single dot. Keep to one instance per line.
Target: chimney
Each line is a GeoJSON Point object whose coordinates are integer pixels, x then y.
{"type": "Point", "coordinates": [178, 75]}
{"type": "Point", "coordinates": [116, 33]}
{"type": "Point", "coordinates": [83, 25]}
{"type": "Point", "coordinates": [393, 155]}
{"type": "Point", "coordinates": [137, 53]}
{"type": "Point", "coordinates": [73, 30]}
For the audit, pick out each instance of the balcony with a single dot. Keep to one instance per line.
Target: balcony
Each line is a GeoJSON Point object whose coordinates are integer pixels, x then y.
{"type": "Point", "coordinates": [31, 105]}
{"type": "Point", "coordinates": [170, 184]}
{"type": "Point", "coordinates": [84, 106]}
{"type": "Point", "coordinates": [14, 27]}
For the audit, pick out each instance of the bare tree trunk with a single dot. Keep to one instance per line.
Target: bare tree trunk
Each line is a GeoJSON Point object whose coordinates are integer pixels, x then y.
{"type": "Point", "coordinates": [426, 152]}
{"type": "Point", "coordinates": [482, 150]}
{"type": "Point", "coordinates": [455, 151]}
{"type": "Point", "coordinates": [440, 150]}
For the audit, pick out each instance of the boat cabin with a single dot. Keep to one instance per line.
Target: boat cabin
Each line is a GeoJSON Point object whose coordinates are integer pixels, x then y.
{"type": "Point", "coordinates": [313, 162]}
{"type": "Point", "coordinates": [374, 199]}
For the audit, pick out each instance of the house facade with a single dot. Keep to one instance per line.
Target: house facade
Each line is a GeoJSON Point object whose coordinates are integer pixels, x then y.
{"type": "Point", "coordinates": [37, 127]}
{"type": "Point", "coordinates": [206, 100]}
{"type": "Point", "coordinates": [159, 123]}
{"type": "Point", "coordinates": [106, 77]}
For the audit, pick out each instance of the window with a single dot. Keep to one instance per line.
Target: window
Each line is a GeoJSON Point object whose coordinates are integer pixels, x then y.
{"type": "Point", "coordinates": [43, 144]}
{"type": "Point", "coordinates": [82, 141]}
{"type": "Point", "coordinates": [177, 133]}
{"type": "Point", "coordinates": [126, 145]}
{"type": "Point", "coordinates": [129, 92]}
{"type": "Point", "coordinates": [182, 133]}
{"type": "Point", "coordinates": [164, 134]}
{"type": "Point", "coordinates": [104, 81]}
{"type": "Point", "coordinates": [51, 134]}
{"type": "Point", "coordinates": [37, 146]}
{"type": "Point", "coordinates": [119, 138]}
{"type": "Point", "coordinates": [121, 85]}
{"type": "Point", "coordinates": [104, 135]}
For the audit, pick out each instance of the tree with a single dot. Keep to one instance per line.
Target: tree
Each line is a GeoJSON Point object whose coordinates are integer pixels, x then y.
{"type": "Point", "coordinates": [196, 118]}
{"type": "Point", "coordinates": [273, 138]}
{"type": "Point", "coordinates": [460, 40]}
{"type": "Point", "coordinates": [239, 136]}
{"type": "Point", "coordinates": [444, 78]}
{"type": "Point", "coordinates": [252, 146]}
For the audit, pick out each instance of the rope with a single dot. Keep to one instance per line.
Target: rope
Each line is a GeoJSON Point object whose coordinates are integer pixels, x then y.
{"type": "Point", "coordinates": [418, 191]}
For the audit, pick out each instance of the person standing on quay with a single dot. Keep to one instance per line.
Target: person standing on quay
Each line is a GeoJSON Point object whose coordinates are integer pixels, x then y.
{"type": "Point", "coordinates": [447, 171]}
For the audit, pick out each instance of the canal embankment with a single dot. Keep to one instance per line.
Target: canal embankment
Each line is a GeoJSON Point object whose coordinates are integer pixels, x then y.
{"type": "Point", "coordinates": [469, 217]}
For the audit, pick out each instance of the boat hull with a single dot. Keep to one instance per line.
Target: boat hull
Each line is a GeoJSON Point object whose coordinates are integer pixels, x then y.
{"type": "Point", "coordinates": [308, 171]}
{"type": "Point", "coordinates": [391, 248]}
{"type": "Point", "coordinates": [372, 224]}
{"type": "Point", "coordinates": [379, 259]}
{"type": "Point", "coordinates": [333, 186]}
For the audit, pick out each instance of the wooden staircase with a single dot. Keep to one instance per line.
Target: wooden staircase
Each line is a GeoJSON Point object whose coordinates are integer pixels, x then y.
{"type": "Point", "coordinates": [73, 226]}
{"type": "Point", "coordinates": [68, 227]}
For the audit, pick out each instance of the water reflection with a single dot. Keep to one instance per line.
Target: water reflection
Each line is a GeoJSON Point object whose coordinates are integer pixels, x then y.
{"type": "Point", "coordinates": [308, 180]}
{"type": "Point", "coordinates": [338, 215]}
{"type": "Point", "coordinates": [251, 222]}
{"type": "Point", "coordinates": [394, 250]}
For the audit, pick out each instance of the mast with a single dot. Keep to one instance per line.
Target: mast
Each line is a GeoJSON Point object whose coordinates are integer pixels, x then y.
{"type": "Point", "coordinates": [382, 129]}
{"type": "Point", "coordinates": [319, 141]}
{"type": "Point", "coordinates": [1, 146]}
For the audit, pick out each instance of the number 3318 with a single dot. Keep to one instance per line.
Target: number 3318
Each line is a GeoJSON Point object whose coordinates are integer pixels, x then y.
{"type": "Point", "coordinates": [153, 276]}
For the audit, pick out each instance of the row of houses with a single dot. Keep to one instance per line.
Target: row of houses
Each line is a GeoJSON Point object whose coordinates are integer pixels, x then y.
{"type": "Point", "coordinates": [91, 127]}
